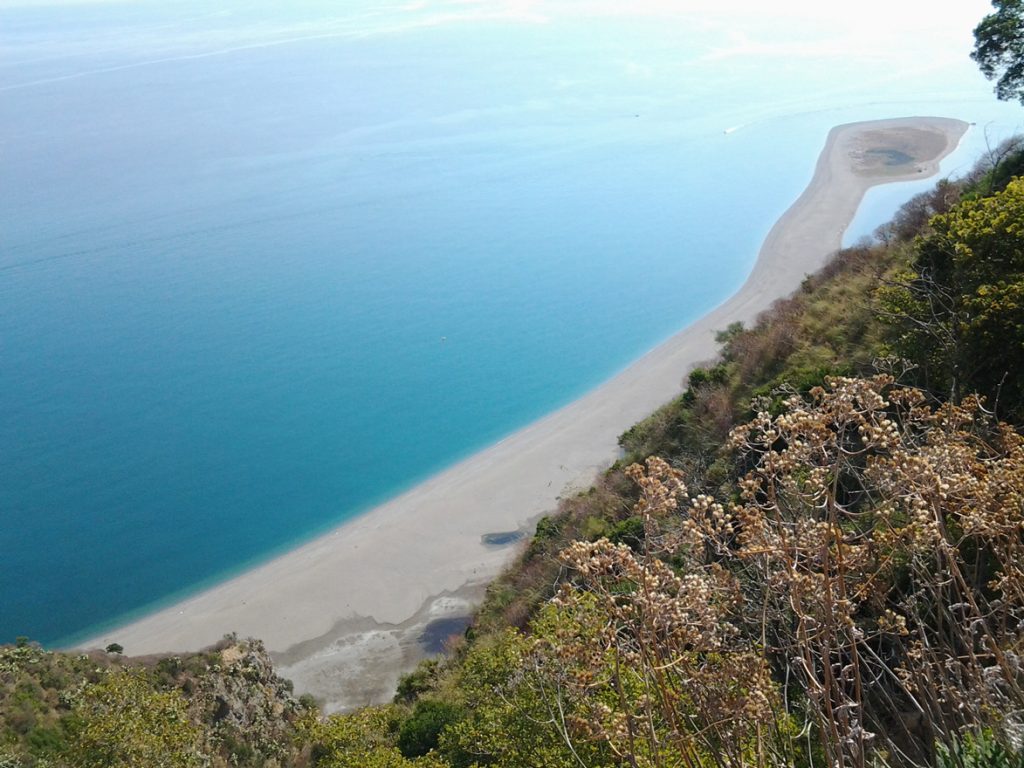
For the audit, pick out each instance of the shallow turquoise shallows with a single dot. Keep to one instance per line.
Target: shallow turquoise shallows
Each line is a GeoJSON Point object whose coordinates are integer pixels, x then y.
{"type": "Point", "coordinates": [263, 267]}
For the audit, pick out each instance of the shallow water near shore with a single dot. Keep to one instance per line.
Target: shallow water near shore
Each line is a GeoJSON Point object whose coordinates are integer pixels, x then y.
{"type": "Point", "coordinates": [260, 271]}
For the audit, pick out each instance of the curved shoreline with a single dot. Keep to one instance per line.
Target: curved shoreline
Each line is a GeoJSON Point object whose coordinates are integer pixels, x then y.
{"type": "Point", "coordinates": [342, 614]}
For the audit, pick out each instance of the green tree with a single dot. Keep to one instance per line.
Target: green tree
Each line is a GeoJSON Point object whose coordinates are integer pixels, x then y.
{"type": "Point", "coordinates": [125, 722]}
{"type": "Point", "coordinates": [960, 313]}
{"type": "Point", "coordinates": [515, 713]}
{"type": "Point", "coordinates": [419, 733]}
{"type": "Point", "coordinates": [362, 739]}
{"type": "Point", "coordinates": [999, 48]}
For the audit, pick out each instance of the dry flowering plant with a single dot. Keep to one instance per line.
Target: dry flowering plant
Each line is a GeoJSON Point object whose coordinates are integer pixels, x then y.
{"type": "Point", "coordinates": [858, 600]}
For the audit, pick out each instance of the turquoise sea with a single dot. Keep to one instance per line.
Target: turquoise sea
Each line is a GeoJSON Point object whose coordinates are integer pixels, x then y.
{"type": "Point", "coordinates": [264, 265]}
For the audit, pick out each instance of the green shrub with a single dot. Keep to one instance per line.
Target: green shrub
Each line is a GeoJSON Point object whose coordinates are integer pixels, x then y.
{"type": "Point", "coordinates": [979, 751]}
{"type": "Point", "coordinates": [420, 680]}
{"type": "Point", "coordinates": [420, 733]}
{"type": "Point", "coordinates": [629, 532]}
{"type": "Point", "coordinates": [45, 741]}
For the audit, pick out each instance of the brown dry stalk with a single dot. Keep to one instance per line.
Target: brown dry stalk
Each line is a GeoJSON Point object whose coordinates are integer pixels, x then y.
{"type": "Point", "coordinates": [865, 583]}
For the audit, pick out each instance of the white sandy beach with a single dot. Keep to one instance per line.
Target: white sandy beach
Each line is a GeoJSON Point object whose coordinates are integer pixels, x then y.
{"type": "Point", "coordinates": [342, 614]}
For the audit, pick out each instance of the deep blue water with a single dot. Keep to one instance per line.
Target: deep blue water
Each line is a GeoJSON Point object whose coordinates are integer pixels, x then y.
{"type": "Point", "coordinates": [265, 266]}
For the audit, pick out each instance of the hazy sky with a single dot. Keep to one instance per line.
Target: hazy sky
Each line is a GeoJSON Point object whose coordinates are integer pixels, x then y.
{"type": "Point", "coordinates": [794, 28]}
{"type": "Point", "coordinates": [866, 15]}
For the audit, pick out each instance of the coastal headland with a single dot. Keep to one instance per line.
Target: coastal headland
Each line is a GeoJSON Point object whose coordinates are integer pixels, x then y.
{"type": "Point", "coordinates": [346, 613]}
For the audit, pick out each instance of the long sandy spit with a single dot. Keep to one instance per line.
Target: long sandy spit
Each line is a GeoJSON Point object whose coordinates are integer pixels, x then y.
{"type": "Point", "coordinates": [346, 613]}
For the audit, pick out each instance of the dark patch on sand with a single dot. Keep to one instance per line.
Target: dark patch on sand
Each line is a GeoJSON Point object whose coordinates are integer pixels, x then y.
{"type": "Point", "coordinates": [502, 538]}
{"type": "Point", "coordinates": [434, 635]}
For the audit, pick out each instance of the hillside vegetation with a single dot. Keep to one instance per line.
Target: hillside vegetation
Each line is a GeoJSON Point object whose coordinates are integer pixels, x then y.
{"type": "Point", "coordinates": [813, 557]}
{"type": "Point", "coordinates": [223, 707]}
